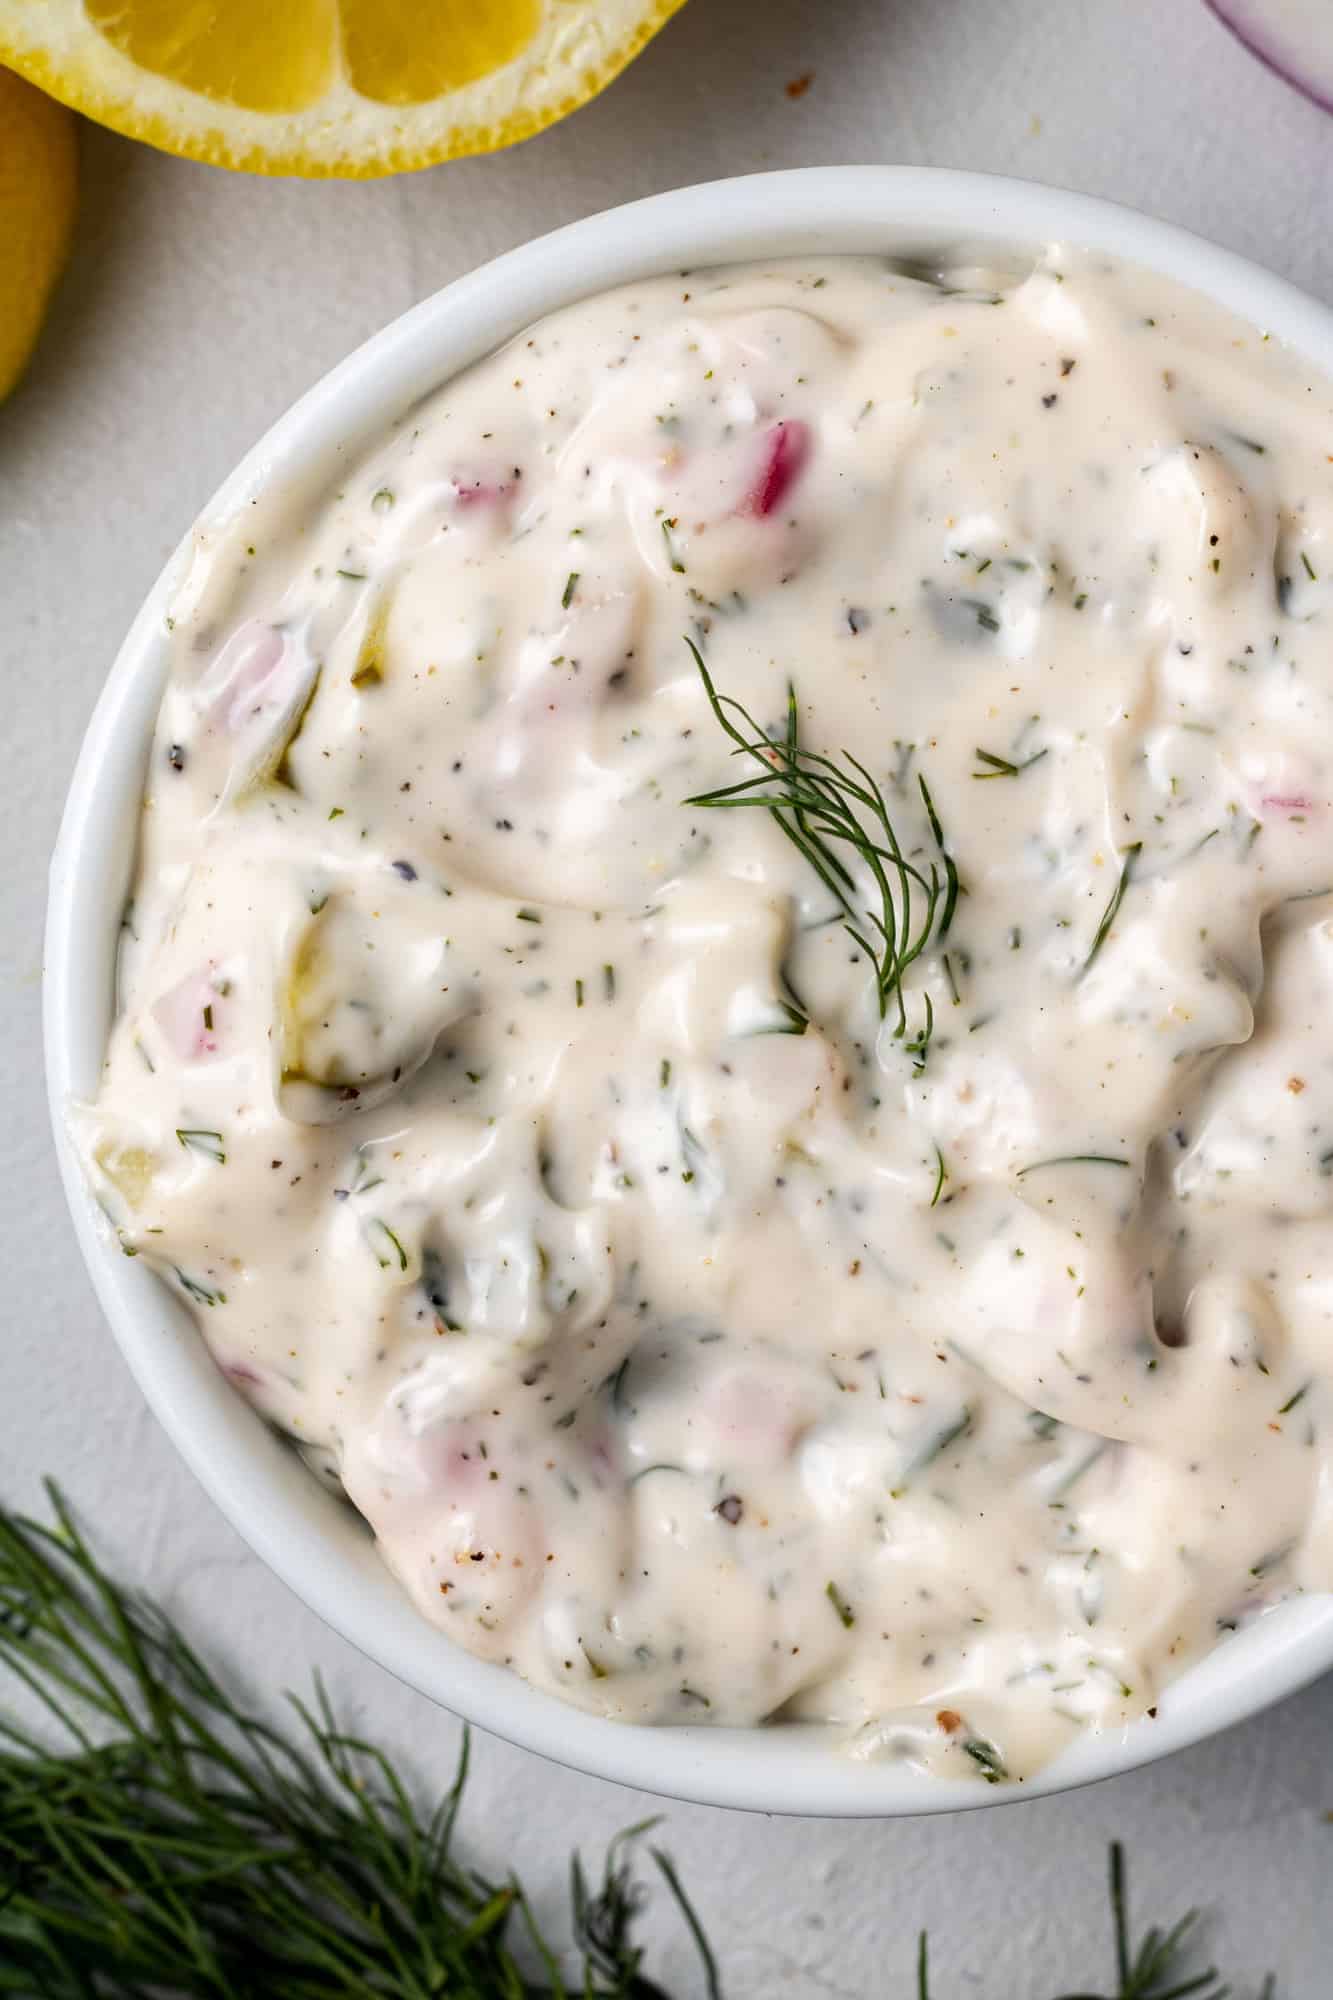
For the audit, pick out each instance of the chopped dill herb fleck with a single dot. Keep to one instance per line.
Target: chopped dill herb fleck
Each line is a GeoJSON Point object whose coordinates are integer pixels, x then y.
{"type": "Point", "coordinates": [840, 1604]}
{"type": "Point", "coordinates": [1131, 854]}
{"type": "Point", "coordinates": [672, 557]}
{"type": "Point", "coordinates": [377, 1222]}
{"type": "Point", "coordinates": [203, 1293]}
{"type": "Point", "coordinates": [1004, 767]}
{"type": "Point", "coordinates": [208, 1143]}
{"type": "Point", "coordinates": [987, 1757]}
{"type": "Point", "coordinates": [947, 963]}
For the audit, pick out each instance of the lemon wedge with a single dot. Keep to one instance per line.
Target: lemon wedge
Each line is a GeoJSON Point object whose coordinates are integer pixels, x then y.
{"type": "Point", "coordinates": [349, 87]}
{"type": "Point", "coordinates": [38, 176]}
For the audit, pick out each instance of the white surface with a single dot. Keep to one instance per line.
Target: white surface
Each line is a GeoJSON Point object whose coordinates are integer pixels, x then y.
{"type": "Point", "coordinates": [198, 306]}
{"type": "Point", "coordinates": [287, 1518]}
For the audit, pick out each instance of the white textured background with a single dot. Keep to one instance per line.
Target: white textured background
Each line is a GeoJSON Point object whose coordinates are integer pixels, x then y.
{"type": "Point", "coordinates": [196, 307]}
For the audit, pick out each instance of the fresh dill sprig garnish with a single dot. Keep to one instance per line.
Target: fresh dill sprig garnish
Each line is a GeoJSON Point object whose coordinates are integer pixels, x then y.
{"type": "Point", "coordinates": [159, 1835]}
{"type": "Point", "coordinates": [171, 1839]}
{"type": "Point", "coordinates": [951, 883]}
{"type": "Point", "coordinates": [919, 1046]}
{"type": "Point", "coordinates": [830, 806]}
{"type": "Point", "coordinates": [1155, 1969]}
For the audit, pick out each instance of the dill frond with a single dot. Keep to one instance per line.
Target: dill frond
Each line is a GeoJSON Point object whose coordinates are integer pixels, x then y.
{"type": "Point", "coordinates": [836, 816]}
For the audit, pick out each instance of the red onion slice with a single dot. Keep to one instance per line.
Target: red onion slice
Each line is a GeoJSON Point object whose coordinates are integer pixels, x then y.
{"type": "Point", "coordinates": [1294, 38]}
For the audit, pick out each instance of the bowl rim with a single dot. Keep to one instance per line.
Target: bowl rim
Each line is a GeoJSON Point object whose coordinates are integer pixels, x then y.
{"type": "Point", "coordinates": [298, 1530]}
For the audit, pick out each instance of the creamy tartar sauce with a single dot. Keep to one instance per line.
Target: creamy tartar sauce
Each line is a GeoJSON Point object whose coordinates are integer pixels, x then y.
{"type": "Point", "coordinates": [858, 1247]}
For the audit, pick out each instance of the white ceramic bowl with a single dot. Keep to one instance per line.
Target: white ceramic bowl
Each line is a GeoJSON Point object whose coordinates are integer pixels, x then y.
{"type": "Point", "coordinates": [309, 1537]}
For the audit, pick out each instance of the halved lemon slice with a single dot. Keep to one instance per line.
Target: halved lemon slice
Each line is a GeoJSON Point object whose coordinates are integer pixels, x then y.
{"type": "Point", "coordinates": [38, 173]}
{"type": "Point", "coordinates": [354, 87]}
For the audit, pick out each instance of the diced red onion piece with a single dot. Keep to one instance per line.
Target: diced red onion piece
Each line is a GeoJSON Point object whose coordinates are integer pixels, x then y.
{"type": "Point", "coordinates": [180, 1014]}
{"type": "Point", "coordinates": [786, 449]}
{"type": "Point", "coordinates": [480, 492]}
